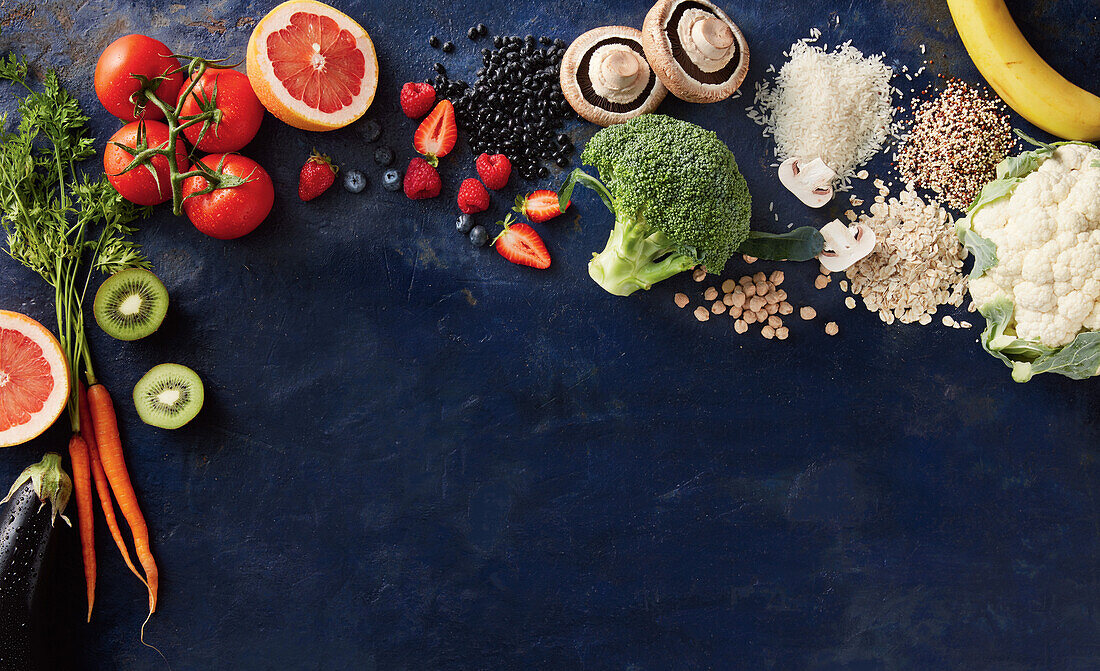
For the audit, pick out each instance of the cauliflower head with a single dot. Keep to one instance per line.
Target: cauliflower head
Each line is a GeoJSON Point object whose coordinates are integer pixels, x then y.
{"type": "Point", "coordinates": [1035, 235]}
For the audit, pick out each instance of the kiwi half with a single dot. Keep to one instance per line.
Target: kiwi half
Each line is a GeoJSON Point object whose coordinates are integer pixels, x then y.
{"type": "Point", "coordinates": [168, 396]}
{"type": "Point", "coordinates": [130, 304]}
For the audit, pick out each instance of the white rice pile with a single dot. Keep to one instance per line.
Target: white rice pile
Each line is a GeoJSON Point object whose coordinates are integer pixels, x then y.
{"type": "Point", "coordinates": [830, 104]}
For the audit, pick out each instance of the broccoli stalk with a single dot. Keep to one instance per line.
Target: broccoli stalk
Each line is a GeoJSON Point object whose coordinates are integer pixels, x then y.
{"type": "Point", "coordinates": [636, 257]}
{"type": "Point", "coordinates": [679, 201]}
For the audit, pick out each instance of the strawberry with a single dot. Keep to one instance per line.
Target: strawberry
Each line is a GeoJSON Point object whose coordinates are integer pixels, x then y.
{"type": "Point", "coordinates": [494, 170]}
{"type": "Point", "coordinates": [519, 243]}
{"type": "Point", "coordinates": [540, 206]}
{"type": "Point", "coordinates": [316, 177]}
{"type": "Point", "coordinates": [436, 136]}
{"type": "Point", "coordinates": [421, 180]}
{"type": "Point", "coordinates": [472, 197]}
{"type": "Point", "coordinates": [417, 99]}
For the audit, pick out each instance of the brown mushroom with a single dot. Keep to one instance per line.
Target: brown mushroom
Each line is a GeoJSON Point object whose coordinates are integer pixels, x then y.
{"type": "Point", "coordinates": [697, 51]}
{"type": "Point", "coordinates": [605, 76]}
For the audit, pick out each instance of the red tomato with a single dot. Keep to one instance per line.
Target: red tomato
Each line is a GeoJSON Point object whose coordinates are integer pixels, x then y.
{"type": "Point", "coordinates": [139, 55]}
{"type": "Point", "coordinates": [138, 185]}
{"type": "Point", "coordinates": [240, 109]}
{"type": "Point", "coordinates": [231, 212]}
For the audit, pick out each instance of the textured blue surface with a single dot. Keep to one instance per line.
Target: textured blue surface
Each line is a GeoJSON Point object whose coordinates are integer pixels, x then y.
{"type": "Point", "coordinates": [414, 455]}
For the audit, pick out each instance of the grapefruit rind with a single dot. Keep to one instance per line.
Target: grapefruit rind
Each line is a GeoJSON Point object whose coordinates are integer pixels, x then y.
{"type": "Point", "coordinates": [278, 99]}
{"type": "Point", "coordinates": [31, 334]}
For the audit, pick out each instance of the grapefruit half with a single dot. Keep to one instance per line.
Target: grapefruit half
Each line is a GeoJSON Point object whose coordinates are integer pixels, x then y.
{"type": "Point", "coordinates": [312, 66]}
{"type": "Point", "coordinates": [34, 379]}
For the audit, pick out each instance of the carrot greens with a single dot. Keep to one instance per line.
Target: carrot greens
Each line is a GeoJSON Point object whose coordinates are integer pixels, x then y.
{"type": "Point", "coordinates": [58, 220]}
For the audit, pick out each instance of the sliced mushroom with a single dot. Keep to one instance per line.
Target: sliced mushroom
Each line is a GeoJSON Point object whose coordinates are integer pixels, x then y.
{"type": "Point", "coordinates": [605, 76]}
{"type": "Point", "coordinates": [845, 245]}
{"type": "Point", "coordinates": [812, 182]}
{"type": "Point", "coordinates": [696, 50]}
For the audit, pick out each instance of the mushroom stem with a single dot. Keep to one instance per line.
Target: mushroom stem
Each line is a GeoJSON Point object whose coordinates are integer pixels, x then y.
{"type": "Point", "coordinates": [712, 37]}
{"type": "Point", "coordinates": [621, 69]}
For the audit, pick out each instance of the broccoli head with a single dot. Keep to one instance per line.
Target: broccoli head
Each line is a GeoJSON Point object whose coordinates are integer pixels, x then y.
{"type": "Point", "coordinates": [678, 198]}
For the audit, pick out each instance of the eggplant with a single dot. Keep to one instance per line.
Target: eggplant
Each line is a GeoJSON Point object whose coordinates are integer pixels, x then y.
{"type": "Point", "coordinates": [26, 527]}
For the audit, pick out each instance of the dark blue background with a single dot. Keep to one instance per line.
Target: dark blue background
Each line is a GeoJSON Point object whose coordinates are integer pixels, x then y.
{"type": "Point", "coordinates": [414, 455]}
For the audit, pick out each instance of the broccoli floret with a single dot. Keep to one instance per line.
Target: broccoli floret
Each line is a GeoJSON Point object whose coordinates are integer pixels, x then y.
{"type": "Point", "coordinates": [678, 198]}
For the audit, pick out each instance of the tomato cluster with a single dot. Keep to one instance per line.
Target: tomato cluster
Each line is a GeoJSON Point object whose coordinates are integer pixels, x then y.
{"type": "Point", "coordinates": [140, 81]}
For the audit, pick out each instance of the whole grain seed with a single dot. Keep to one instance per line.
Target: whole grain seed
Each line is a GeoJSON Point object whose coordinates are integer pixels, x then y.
{"type": "Point", "coordinates": [699, 274]}
{"type": "Point", "coordinates": [807, 313]}
{"type": "Point", "coordinates": [774, 321]}
{"type": "Point", "coordinates": [516, 106]}
{"type": "Point", "coordinates": [718, 307]}
{"type": "Point", "coordinates": [710, 294]}
{"type": "Point", "coordinates": [740, 326]}
{"type": "Point", "coordinates": [749, 317]}
{"type": "Point", "coordinates": [821, 281]}
{"type": "Point", "coordinates": [776, 278]}
{"type": "Point", "coordinates": [761, 315]}
{"type": "Point", "coordinates": [850, 303]}
{"type": "Point", "coordinates": [954, 143]}
{"type": "Point", "coordinates": [681, 300]}
{"type": "Point", "coordinates": [728, 286]}
{"type": "Point", "coordinates": [785, 308]}
{"type": "Point", "coordinates": [916, 263]}
{"type": "Point", "coordinates": [832, 329]}
{"type": "Point", "coordinates": [756, 302]}
{"type": "Point", "coordinates": [948, 321]}
{"type": "Point", "coordinates": [702, 314]}
{"type": "Point", "coordinates": [782, 332]}
{"type": "Point", "coordinates": [759, 277]}
{"type": "Point", "coordinates": [735, 311]}
{"type": "Point", "coordinates": [771, 308]}
{"type": "Point", "coordinates": [761, 288]}
{"type": "Point", "coordinates": [748, 259]}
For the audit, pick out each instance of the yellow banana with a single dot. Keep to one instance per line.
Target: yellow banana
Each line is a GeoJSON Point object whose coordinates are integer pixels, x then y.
{"type": "Point", "coordinates": [1023, 79]}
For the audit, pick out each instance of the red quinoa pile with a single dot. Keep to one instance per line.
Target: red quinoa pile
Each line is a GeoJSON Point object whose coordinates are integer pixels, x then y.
{"type": "Point", "coordinates": [955, 141]}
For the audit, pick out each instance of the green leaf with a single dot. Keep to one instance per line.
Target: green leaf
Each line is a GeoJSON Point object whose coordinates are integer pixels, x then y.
{"type": "Point", "coordinates": [995, 190]}
{"type": "Point", "coordinates": [578, 176]}
{"type": "Point", "coordinates": [1030, 140]}
{"type": "Point", "coordinates": [983, 249]}
{"type": "Point", "coordinates": [1078, 360]}
{"type": "Point", "coordinates": [1020, 165]}
{"type": "Point", "coordinates": [801, 244]}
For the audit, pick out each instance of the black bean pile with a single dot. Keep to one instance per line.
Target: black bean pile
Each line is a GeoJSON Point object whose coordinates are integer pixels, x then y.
{"type": "Point", "coordinates": [516, 106]}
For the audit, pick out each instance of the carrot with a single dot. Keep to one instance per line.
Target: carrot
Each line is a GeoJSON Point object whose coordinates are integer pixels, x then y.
{"type": "Point", "coordinates": [82, 487]}
{"type": "Point", "coordinates": [101, 485]}
{"type": "Point", "coordinates": [114, 465]}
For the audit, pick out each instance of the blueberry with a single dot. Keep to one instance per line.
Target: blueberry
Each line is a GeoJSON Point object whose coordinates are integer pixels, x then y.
{"type": "Point", "coordinates": [472, 33]}
{"type": "Point", "coordinates": [479, 236]}
{"type": "Point", "coordinates": [354, 181]}
{"type": "Point", "coordinates": [371, 130]}
{"type": "Point", "coordinates": [482, 30]}
{"type": "Point", "coordinates": [383, 156]}
{"type": "Point", "coordinates": [391, 180]}
{"type": "Point", "coordinates": [433, 41]}
{"type": "Point", "coordinates": [448, 47]}
{"type": "Point", "coordinates": [464, 223]}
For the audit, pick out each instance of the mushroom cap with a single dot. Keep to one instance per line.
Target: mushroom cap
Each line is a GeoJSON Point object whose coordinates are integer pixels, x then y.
{"type": "Point", "coordinates": [696, 50]}
{"type": "Point", "coordinates": [606, 78]}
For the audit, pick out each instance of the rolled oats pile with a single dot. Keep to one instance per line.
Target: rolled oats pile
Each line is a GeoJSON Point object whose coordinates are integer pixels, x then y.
{"type": "Point", "coordinates": [917, 262]}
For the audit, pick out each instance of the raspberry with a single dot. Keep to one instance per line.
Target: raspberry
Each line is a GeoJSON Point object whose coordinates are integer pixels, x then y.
{"type": "Point", "coordinates": [417, 99]}
{"type": "Point", "coordinates": [421, 180]}
{"type": "Point", "coordinates": [472, 197]}
{"type": "Point", "coordinates": [494, 170]}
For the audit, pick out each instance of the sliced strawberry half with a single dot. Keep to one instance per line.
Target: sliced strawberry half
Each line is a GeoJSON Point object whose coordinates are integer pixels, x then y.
{"type": "Point", "coordinates": [437, 134]}
{"type": "Point", "coordinates": [540, 206]}
{"type": "Point", "coordinates": [519, 243]}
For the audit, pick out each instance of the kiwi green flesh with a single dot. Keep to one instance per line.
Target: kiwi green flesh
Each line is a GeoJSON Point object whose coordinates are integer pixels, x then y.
{"type": "Point", "coordinates": [130, 304]}
{"type": "Point", "coordinates": [168, 396]}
